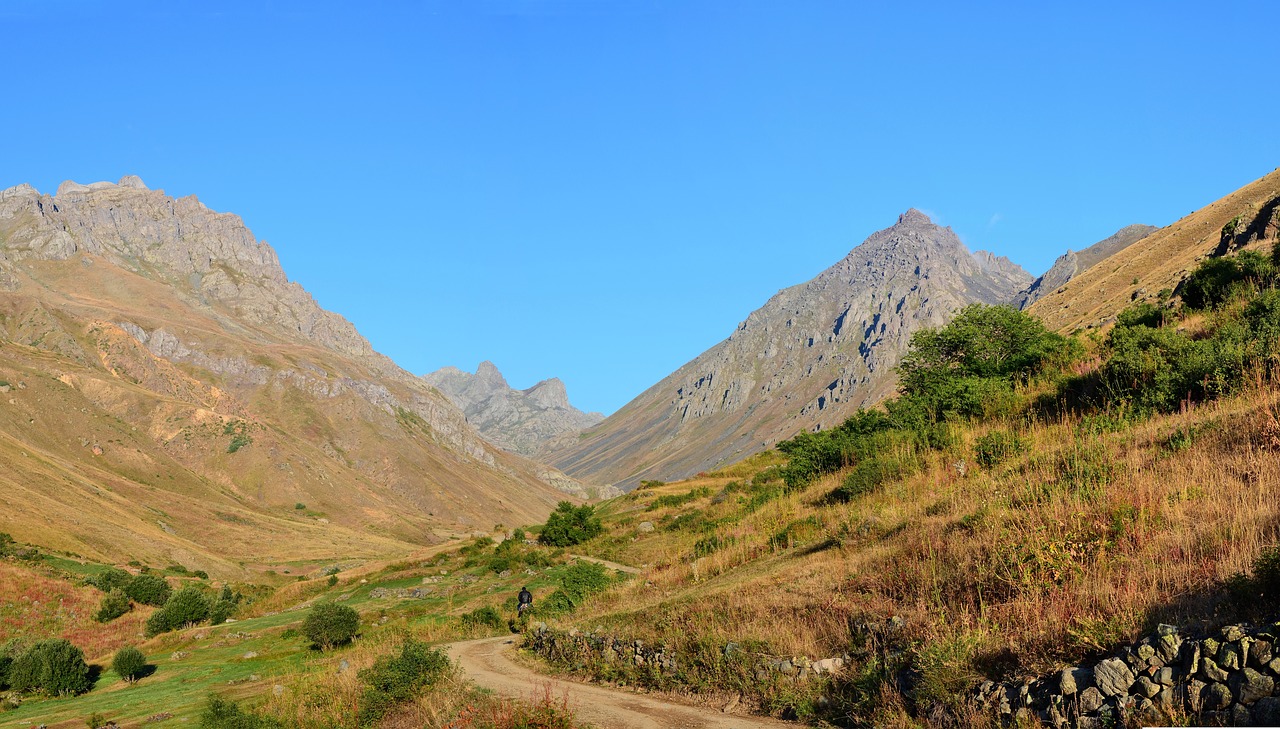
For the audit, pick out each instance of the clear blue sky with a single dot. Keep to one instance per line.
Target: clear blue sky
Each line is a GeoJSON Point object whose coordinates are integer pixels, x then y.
{"type": "Point", "coordinates": [602, 190]}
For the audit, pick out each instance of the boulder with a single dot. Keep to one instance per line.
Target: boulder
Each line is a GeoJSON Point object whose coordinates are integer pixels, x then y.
{"type": "Point", "coordinates": [1073, 680]}
{"type": "Point", "coordinates": [1090, 700]}
{"type": "Point", "coordinates": [1267, 712]}
{"type": "Point", "coordinates": [1215, 697]}
{"type": "Point", "coordinates": [1249, 686]}
{"type": "Point", "coordinates": [1112, 677]}
{"type": "Point", "coordinates": [1210, 671]}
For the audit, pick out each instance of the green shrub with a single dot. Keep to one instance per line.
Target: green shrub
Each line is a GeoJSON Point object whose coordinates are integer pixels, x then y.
{"type": "Point", "coordinates": [1266, 573]}
{"type": "Point", "coordinates": [996, 447]}
{"type": "Point", "coordinates": [53, 666]}
{"type": "Point", "coordinates": [7, 544]}
{"type": "Point", "coordinates": [393, 680]}
{"type": "Point", "coordinates": [487, 616]}
{"type": "Point", "coordinates": [222, 713]}
{"type": "Point", "coordinates": [1144, 314]}
{"type": "Point", "coordinates": [220, 611]}
{"type": "Point", "coordinates": [148, 590]}
{"type": "Point", "coordinates": [129, 663]}
{"type": "Point", "coordinates": [112, 578]}
{"type": "Point", "coordinates": [577, 583]}
{"type": "Point", "coordinates": [870, 475]}
{"type": "Point", "coordinates": [569, 525]}
{"type": "Point", "coordinates": [333, 580]}
{"type": "Point", "coordinates": [329, 624]}
{"type": "Point", "coordinates": [678, 499]}
{"type": "Point", "coordinates": [113, 605]}
{"type": "Point", "coordinates": [187, 606]}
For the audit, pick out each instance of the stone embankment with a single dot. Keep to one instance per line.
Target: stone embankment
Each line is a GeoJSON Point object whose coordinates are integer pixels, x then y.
{"type": "Point", "coordinates": [1230, 678]}
{"type": "Point", "coordinates": [578, 649]}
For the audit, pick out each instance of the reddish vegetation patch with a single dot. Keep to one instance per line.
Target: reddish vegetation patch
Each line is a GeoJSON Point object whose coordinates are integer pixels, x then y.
{"type": "Point", "coordinates": [34, 605]}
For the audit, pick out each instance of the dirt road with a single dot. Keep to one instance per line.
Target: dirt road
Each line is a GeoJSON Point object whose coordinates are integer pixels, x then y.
{"type": "Point", "coordinates": [488, 662]}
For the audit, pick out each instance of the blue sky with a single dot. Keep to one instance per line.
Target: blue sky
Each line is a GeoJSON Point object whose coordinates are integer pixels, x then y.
{"type": "Point", "coordinates": [600, 191]}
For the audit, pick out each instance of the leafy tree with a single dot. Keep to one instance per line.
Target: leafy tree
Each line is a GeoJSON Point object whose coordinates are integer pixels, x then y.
{"type": "Point", "coordinates": [329, 624]}
{"type": "Point", "coordinates": [149, 590]}
{"type": "Point", "coordinates": [129, 663]}
{"type": "Point", "coordinates": [221, 610]}
{"type": "Point", "coordinates": [113, 605]}
{"type": "Point", "coordinates": [53, 666]}
{"type": "Point", "coordinates": [569, 525]}
{"type": "Point", "coordinates": [187, 606]}
{"type": "Point", "coordinates": [979, 356]}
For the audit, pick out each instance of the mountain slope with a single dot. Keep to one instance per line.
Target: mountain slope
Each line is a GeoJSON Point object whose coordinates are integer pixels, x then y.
{"type": "Point", "coordinates": [808, 358]}
{"type": "Point", "coordinates": [1248, 217]}
{"type": "Point", "coordinates": [172, 396]}
{"type": "Point", "coordinates": [1072, 263]}
{"type": "Point", "coordinates": [517, 420]}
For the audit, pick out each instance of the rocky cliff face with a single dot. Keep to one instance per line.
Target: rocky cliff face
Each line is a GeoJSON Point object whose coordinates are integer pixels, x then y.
{"type": "Point", "coordinates": [168, 355]}
{"type": "Point", "coordinates": [517, 420]}
{"type": "Point", "coordinates": [807, 359]}
{"type": "Point", "coordinates": [1071, 264]}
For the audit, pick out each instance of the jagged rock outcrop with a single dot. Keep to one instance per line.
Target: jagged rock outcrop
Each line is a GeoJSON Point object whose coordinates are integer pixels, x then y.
{"type": "Point", "coordinates": [807, 359]}
{"type": "Point", "coordinates": [1072, 263]}
{"type": "Point", "coordinates": [518, 420]}
{"type": "Point", "coordinates": [174, 369]}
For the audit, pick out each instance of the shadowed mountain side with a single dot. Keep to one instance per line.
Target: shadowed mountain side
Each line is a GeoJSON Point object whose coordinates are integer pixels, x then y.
{"type": "Point", "coordinates": [517, 420]}
{"type": "Point", "coordinates": [1160, 261]}
{"type": "Point", "coordinates": [168, 394]}
{"type": "Point", "coordinates": [1072, 263]}
{"type": "Point", "coordinates": [807, 359]}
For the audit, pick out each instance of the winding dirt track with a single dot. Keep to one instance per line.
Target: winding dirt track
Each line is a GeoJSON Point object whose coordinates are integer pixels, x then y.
{"type": "Point", "coordinates": [488, 662]}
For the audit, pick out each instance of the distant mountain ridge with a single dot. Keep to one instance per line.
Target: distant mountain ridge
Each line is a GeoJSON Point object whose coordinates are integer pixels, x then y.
{"type": "Point", "coordinates": [517, 420]}
{"type": "Point", "coordinates": [808, 358]}
{"type": "Point", "coordinates": [1072, 263]}
{"type": "Point", "coordinates": [175, 398]}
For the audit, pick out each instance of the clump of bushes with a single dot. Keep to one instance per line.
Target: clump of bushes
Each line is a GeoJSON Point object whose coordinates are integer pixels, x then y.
{"type": "Point", "coordinates": [395, 679]}
{"type": "Point", "coordinates": [678, 499]}
{"type": "Point", "coordinates": [329, 624]}
{"type": "Point", "coordinates": [577, 583]}
{"type": "Point", "coordinates": [148, 589]}
{"type": "Point", "coordinates": [569, 525]}
{"type": "Point", "coordinates": [185, 607]}
{"type": "Point", "coordinates": [996, 447]}
{"type": "Point", "coordinates": [222, 713]}
{"type": "Point", "coordinates": [487, 616]}
{"type": "Point", "coordinates": [53, 667]}
{"type": "Point", "coordinates": [129, 663]}
{"type": "Point", "coordinates": [113, 605]}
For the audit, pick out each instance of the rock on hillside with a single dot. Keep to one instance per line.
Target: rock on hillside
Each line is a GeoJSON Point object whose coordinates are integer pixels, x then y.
{"type": "Point", "coordinates": [1071, 264]}
{"type": "Point", "coordinates": [177, 386]}
{"type": "Point", "coordinates": [807, 359]}
{"type": "Point", "coordinates": [518, 420]}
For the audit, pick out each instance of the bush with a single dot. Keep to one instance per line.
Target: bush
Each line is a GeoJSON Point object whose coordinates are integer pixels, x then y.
{"type": "Point", "coordinates": [148, 590]}
{"type": "Point", "coordinates": [53, 666]}
{"type": "Point", "coordinates": [113, 605]}
{"type": "Point", "coordinates": [996, 447]}
{"type": "Point", "coordinates": [329, 624]}
{"type": "Point", "coordinates": [222, 713]}
{"type": "Point", "coordinates": [220, 611]}
{"type": "Point", "coordinates": [869, 475]}
{"type": "Point", "coordinates": [579, 581]}
{"type": "Point", "coordinates": [487, 616]}
{"type": "Point", "coordinates": [112, 578]}
{"type": "Point", "coordinates": [392, 680]}
{"type": "Point", "coordinates": [569, 525]}
{"type": "Point", "coordinates": [129, 663]}
{"type": "Point", "coordinates": [1266, 573]}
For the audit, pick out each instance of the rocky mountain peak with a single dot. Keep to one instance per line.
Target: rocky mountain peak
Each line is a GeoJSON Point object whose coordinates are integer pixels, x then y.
{"type": "Point", "coordinates": [211, 256]}
{"type": "Point", "coordinates": [914, 217]}
{"type": "Point", "coordinates": [549, 393]}
{"type": "Point", "coordinates": [517, 420]}
{"type": "Point", "coordinates": [487, 374]}
{"type": "Point", "coordinates": [807, 359]}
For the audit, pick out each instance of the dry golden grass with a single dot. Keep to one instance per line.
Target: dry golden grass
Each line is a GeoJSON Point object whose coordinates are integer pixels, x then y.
{"type": "Point", "coordinates": [1082, 541]}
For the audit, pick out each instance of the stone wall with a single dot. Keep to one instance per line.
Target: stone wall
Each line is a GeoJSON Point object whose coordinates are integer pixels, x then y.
{"type": "Point", "coordinates": [1229, 678]}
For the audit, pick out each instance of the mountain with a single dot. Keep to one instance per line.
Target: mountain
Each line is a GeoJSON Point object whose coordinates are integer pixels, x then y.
{"type": "Point", "coordinates": [807, 359]}
{"type": "Point", "coordinates": [170, 395]}
{"type": "Point", "coordinates": [1072, 263]}
{"type": "Point", "coordinates": [517, 420]}
{"type": "Point", "coordinates": [1159, 262]}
